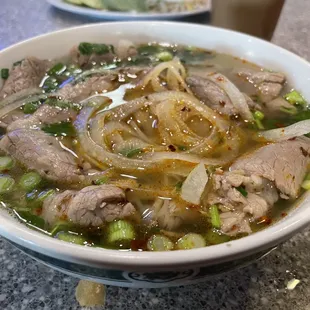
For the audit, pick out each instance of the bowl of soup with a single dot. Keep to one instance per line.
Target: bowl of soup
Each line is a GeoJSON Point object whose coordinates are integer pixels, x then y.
{"type": "Point", "coordinates": [152, 154]}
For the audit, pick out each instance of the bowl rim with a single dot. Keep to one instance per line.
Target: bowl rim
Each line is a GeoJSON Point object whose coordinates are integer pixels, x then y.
{"type": "Point", "coordinates": [215, 254]}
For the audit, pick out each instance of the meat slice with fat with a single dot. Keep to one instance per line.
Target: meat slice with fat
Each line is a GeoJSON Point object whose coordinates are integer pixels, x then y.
{"type": "Point", "coordinates": [91, 206]}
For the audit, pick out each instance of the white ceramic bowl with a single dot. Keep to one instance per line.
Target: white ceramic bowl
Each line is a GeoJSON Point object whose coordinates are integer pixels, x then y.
{"type": "Point", "coordinates": [151, 269]}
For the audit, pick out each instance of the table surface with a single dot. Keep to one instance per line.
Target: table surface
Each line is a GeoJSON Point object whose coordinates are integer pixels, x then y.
{"type": "Point", "coordinates": [26, 284]}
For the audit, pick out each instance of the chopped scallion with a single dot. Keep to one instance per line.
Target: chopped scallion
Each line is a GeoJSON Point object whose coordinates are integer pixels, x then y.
{"type": "Point", "coordinates": [72, 238]}
{"type": "Point", "coordinates": [213, 236]}
{"type": "Point", "coordinates": [306, 185]}
{"type": "Point", "coordinates": [43, 195]}
{"type": "Point", "coordinates": [120, 231]}
{"type": "Point", "coordinates": [164, 56]}
{"type": "Point", "coordinates": [294, 97]}
{"type": "Point", "coordinates": [5, 73]}
{"type": "Point", "coordinates": [6, 184]}
{"type": "Point", "coordinates": [86, 48]}
{"type": "Point", "coordinates": [159, 243]}
{"type": "Point", "coordinates": [57, 69]}
{"type": "Point", "coordinates": [191, 241]}
{"type": "Point", "coordinates": [31, 107]}
{"type": "Point", "coordinates": [259, 115]}
{"type": "Point", "coordinates": [102, 180]}
{"type": "Point", "coordinates": [178, 186]}
{"type": "Point", "coordinates": [30, 181]}
{"type": "Point", "coordinates": [131, 153]}
{"type": "Point", "coordinates": [65, 129]}
{"type": "Point", "coordinates": [242, 190]}
{"type": "Point", "coordinates": [6, 163]}
{"type": "Point", "coordinates": [215, 216]}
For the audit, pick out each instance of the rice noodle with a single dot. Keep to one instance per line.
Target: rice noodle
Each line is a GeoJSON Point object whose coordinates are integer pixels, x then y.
{"type": "Point", "coordinates": [237, 98]}
{"type": "Point", "coordinates": [107, 123]}
{"type": "Point", "coordinates": [298, 129]}
{"type": "Point", "coordinates": [174, 77]}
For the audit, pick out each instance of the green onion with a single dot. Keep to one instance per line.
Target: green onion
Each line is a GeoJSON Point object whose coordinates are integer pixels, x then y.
{"type": "Point", "coordinates": [4, 73]}
{"type": "Point", "coordinates": [86, 48]}
{"type": "Point", "coordinates": [60, 226]}
{"type": "Point", "coordinates": [30, 181]}
{"type": "Point", "coordinates": [31, 107]}
{"type": "Point", "coordinates": [159, 243]}
{"type": "Point", "coordinates": [102, 180]}
{"type": "Point", "coordinates": [178, 186]}
{"type": "Point", "coordinates": [6, 184]}
{"type": "Point", "coordinates": [57, 69]}
{"type": "Point", "coordinates": [259, 115]}
{"type": "Point", "coordinates": [182, 147]}
{"type": "Point", "coordinates": [120, 231]}
{"type": "Point", "coordinates": [164, 56]}
{"type": "Point", "coordinates": [294, 97]}
{"type": "Point", "coordinates": [214, 236]}
{"type": "Point", "coordinates": [65, 129]}
{"type": "Point", "coordinates": [147, 50]}
{"type": "Point", "coordinates": [43, 195]}
{"type": "Point", "coordinates": [215, 216]}
{"type": "Point", "coordinates": [6, 163]}
{"type": "Point", "coordinates": [191, 241]}
{"type": "Point", "coordinates": [131, 153]}
{"type": "Point", "coordinates": [17, 63]}
{"type": "Point", "coordinates": [306, 185]}
{"type": "Point", "coordinates": [242, 191]}
{"type": "Point", "coordinates": [30, 218]}
{"type": "Point", "coordinates": [72, 238]}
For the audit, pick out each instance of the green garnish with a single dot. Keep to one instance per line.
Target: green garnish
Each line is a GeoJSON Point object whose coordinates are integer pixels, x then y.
{"type": "Point", "coordinates": [5, 73]}
{"type": "Point", "coordinates": [43, 195]}
{"type": "Point", "coordinates": [182, 147]}
{"type": "Point", "coordinates": [6, 163]}
{"type": "Point", "coordinates": [86, 48]}
{"type": "Point", "coordinates": [30, 181]}
{"type": "Point", "coordinates": [215, 216]}
{"type": "Point", "coordinates": [164, 56]}
{"type": "Point", "coordinates": [258, 117]}
{"type": "Point", "coordinates": [120, 231]}
{"type": "Point", "coordinates": [65, 129]}
{"type": "Point", "coordinates": [178, 186]}
{"type": "Point", "coordinates": [102, 180]}
{"type": "Point", "coordinates": [242, 190]}
{"type": "Point", "coordinates": [30, 218]}
{"type": "Point", "coordinates": [131, 153]}
{"type": "Point", "coordinates": [191, 241]}
{"type": "Point", "coordinates": [57, 69]}
{"type": "Point", "coordinates": [213, 236]}
{"type": "Point", "coordinates": [294, 97]}
{"type": "Point", "coordinates": [159, 243]}
{"type": "Point", "coordinates": [31, 107]}
{"type": "Point", "coordinates": [72, 238]}
{"type": "Point", "coordinates": [60, 226]}
{"type": "Point", "coordinates": [291, 111]}
{"type": "Point", "coordinates": [50, 84]}
{"type": "Point", "coordinates": [6, 184]}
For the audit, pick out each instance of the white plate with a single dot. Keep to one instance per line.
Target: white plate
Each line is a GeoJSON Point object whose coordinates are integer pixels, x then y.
{"type": "Point", "coordinates": [113, 15]}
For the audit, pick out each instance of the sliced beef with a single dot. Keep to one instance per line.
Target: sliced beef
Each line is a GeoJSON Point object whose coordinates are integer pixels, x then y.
{"type": "Point", "coordinates": [91, 206]}
{"type": "Point", "coordinates": [233, 223]}
{"type": "Point", "coordinates": [212, 95]}
{"type": "Point", "coordinates": [44, 115]}
{"type": "Point", "coordinates": [269, 84]}
{"type": "Point", "coordinates": [87, 61]}
{"type": "Point", "coordinates": [28, 74]}
{"type": "Point", "coordinates": [171, 215]}
{"type": "Point", "coordinates": [84, 89]}
{"type": "Point", "coordinates": [237, 209]}
{"type": "Point", "coordinates": [284, 163]}
{"type": "Point", "coordinates": [39, 151]}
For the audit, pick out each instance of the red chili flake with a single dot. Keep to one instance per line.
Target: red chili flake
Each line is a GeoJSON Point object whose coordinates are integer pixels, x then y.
{"type": "Point", "coordinates": [172, 148]}
{"type": "Point", "coordinates": [222, 103]}
{"type": "Point", "coordinates": [292, 139]}
{"type": "Point", "coordinates": [38, 211]}
{"type": "Point", "coordinates": [137, 245]}
{"type": "Point", "coordinates": [279, 125]}
{"type": "Point", "coordinates": [283, 214]}
{"type": "Point", "coordinates": [220, 79]}
{"type": "Point", "coordinates": [229, 148]}
{"type": "Point", "coordinates": [234, 227]}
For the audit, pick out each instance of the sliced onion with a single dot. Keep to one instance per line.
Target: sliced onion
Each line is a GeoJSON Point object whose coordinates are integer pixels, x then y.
{"type": "Point", "coordinates": [298, 129]}
{"type": "Point", "coordinates": [237, 98]}
{"type": "Point", "coordinates": [194, 185]}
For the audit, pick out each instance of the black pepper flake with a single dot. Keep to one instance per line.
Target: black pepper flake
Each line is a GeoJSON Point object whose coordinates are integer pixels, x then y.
{"type": "Point", "coordinates": [172, 148]}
